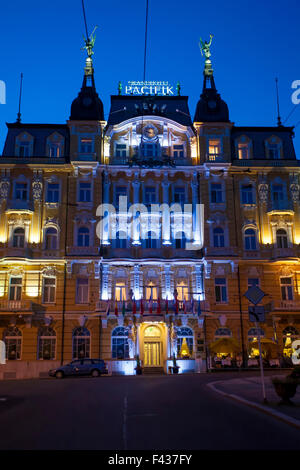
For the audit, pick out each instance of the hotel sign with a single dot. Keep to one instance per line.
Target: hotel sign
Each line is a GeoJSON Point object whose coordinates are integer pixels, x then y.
{"type": "Point", "coordinates": [149, 88]}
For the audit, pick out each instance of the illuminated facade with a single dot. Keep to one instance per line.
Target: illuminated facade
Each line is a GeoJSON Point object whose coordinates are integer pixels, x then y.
{"type": "Point", "coordinates": [147, 282]}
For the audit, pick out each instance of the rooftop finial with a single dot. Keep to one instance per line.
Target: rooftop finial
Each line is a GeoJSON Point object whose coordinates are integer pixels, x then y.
{"type": "Point", "coordinates": [205, 51]}
{"type": "Point", "coordinates": [279, 123]}
{"type": "Point", "coordinates": [20, 98]}
{"type": "Point", "coordinates": [89, 45]}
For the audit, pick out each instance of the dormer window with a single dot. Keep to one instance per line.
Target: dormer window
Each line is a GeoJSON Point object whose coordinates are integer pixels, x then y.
{"type": "Point", "coordinates": [274, 152]}
{"type": "Point", "coordinates": [274, 148]}
{"type": "Point", "coordinates": [24, 145]}
{"type": "Point", "coordinates": [55, 145]}
{"type": "Point", "coordinates": [243, 151]}
{"type": "Point", "coordinates": [24, 149]}
{"type": "Point", "coordinates": [214, 149]}
{"type": "Point", "coordinates": [54, 150]}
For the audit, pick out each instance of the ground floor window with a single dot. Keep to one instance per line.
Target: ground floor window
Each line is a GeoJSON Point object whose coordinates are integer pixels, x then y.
{"type": "Point", "coordinates": [81, 343]}
{"type": "Point", "coordinates": [185, 343]}
{"type": "Point", "coordinates": [46, 343]}
{"type": "Point", "coordinates": [119, 343]}
{"type": "Point", "coordinates": [13, 343]}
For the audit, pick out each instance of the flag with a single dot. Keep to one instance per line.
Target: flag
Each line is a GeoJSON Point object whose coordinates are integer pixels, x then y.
{"type": "Point", "coordinates": [199, 308]}
{"type": "Point", "coordinates": [150, 304]}
{"type": "Point", "coordinates": [134, 307]}
{"type": "Point", "coordinates": [123, 309]}
{"type": "Point", "coordinates": [167, 306]}
{"type": "Point", "coordinates": [184, 307]}
{"type": "Point", "coordinates": [158, 306]}
{"type": "Point", "coordinates": [116, 309]}
{"type": "Point", "coordinates": [176, 305]}
{"type": "Point", "coordinates": [142, 307]}
{"type": "Point", "coordinates": [193, 306]}
{"type": "Point", "coordinates": [107, 308]}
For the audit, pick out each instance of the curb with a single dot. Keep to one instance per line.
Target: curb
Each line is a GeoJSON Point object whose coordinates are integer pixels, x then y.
{"type": "Point", "coordinates": [276, 414]}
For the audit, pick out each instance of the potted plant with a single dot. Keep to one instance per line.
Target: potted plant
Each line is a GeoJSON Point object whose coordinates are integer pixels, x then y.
{"type": "Point", "coordinates": [175, 368]}
{"type": "Point", "coordinates": [138, 368]}
{"type": "Point", "coordinates": [286, 387]}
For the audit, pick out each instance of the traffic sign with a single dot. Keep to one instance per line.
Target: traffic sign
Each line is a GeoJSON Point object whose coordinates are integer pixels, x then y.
{"type": "Point", "coordinates": [254, 295]}
{"type": "Point", "coordinates": [257, 314]}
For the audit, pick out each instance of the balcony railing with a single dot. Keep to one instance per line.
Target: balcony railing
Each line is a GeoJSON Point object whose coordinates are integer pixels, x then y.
{"type": "Point", "coordinates": [284, 252]}
{"type": "Point", "coordinates": [215, 157]}
{"type": "Point", "coordinates": [149, 308]}
{"type": "Point", "coordinates": [83, 250]}
{"type": "Point", "coordinates": [16, 305]}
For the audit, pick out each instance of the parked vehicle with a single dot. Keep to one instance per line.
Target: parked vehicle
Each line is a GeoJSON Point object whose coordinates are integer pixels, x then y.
{"type": "Point", "coordinates": [93, 367]}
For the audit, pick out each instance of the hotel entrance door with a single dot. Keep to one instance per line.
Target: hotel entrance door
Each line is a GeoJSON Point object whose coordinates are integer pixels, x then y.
{"type": "Point", "coordinates": [151, 353]}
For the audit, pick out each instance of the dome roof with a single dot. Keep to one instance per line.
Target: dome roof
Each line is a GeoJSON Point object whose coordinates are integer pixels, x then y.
{"type": "Point", "coordinates": [87, 106]}
{"type": "Point", "coordinates": [210, 107]}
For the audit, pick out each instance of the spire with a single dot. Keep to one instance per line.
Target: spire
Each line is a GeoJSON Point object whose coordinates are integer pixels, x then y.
{"type": "Point", "coordinates": [210, 107]}
{"type": "Point", "coordinates": [279, 123]}
{"type": "Point", "coordinates": [20, 98]}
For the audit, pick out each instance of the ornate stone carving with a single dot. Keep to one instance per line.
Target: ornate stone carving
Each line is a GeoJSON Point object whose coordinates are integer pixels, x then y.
{"type": "Point", "coordinates": [37, 188]}
{"type": "Point", "coordinates": [49, 271]}
{"type": "Point", "coordinates": [263, 191]}
{"type": "Point", "coordinates": [4, 189]}
{"type": "Point", "coordinates": [295, 188]}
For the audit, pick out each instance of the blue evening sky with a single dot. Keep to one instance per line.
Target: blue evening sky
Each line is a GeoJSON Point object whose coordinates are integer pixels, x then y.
{"type": "Point", "coordinates": [254, 41]}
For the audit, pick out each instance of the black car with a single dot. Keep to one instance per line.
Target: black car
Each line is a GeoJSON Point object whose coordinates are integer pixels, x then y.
{"type": "Point", "coordinates": [93, 367]}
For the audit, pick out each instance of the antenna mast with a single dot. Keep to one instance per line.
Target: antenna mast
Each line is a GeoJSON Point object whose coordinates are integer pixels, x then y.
{"type": "Point", "coordinates": [279, 123]}
{"type": "Point", "coordinates": [20, 98]}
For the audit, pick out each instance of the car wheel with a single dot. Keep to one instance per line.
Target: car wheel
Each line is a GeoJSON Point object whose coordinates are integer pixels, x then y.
{"type": "Point", "coordinates": [59, 374]}
{"type": "Point", "coordinates": [95, 373]}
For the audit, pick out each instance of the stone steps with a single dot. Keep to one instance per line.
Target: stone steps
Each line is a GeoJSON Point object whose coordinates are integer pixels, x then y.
{"type": "Point", "coordinates": [153, 371]}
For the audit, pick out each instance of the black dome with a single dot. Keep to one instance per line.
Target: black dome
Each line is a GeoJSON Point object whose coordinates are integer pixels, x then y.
{"type": "Point", "coordinates": [87, 106]}
{"type": "Point", "coordinates": [210, 107]}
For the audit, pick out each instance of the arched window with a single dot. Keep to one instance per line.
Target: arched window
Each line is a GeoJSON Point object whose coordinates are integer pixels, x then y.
{"type": "Point", "coordinates": [253, 333]}
{"type": "Point", "coordinates": [19, 238]}
{"type": "Point", "coordinates": [13, 343]}
{"type": "Point", "coordinates": [51, 239]}
{"type": "Point", "coordinates": [281, 238]}
{"type": "Point", "coordinates": [180, 241]}
{"type": "Point", "coordinates": [46, 343]}
{"type": "Point", "coordinates": [250, 239]}
{"type": "Point", "coordinates": [81, 343]}
{"type": "Point", "coordinates": [222, 333]}
{"type": "Point", "coordinates": [218, 234]}
{"type": "Point", "coordinates": [119, 343]}
{"type": "Point", "coordinates": [151, 240]}
{"type": "Point", "coordinates": [83, 237]}
{"type": "Point", "coordinates": [121, 239]}
{"type": "Point", "coordinates": [185, 342]}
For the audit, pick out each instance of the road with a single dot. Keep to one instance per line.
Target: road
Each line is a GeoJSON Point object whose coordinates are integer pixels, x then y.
{"type": "Point", "coordinates": [124, 413]}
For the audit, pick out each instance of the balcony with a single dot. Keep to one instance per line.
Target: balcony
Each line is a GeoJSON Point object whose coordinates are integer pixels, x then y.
{"type": "Point", "coordinates": [101, 306]}
{"type": "Point", "coordinates": [280, 207]}
{"type": "Point", "coordinates": [83, 250]}
{"type": "Point", "coordinates": [25, 252]}
{"type": "Point", "coordinates": [19, 205]}
{"type": "Point", "coordinates": [284, 253]}
{"type": "Point", "coordinates": [216, 157]}
{"type": "Point", "coordinates": [16, 306]}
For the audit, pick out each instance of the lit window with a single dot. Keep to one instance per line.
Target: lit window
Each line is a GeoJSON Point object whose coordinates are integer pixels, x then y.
{"type": "Point", "coordinates": [21, 191]}
{"type": "Point", "coordinates": [85, 192]}
{"type": "Point", "coordinates": [214, 148]}
{"type": "Point", "coordinates": [151, 291]}
{"type": "Point", "coordinates": [220, 289]}
{"type": "Point", "coordinates": [178, 151]}
{"type": "Point", "coordinates": [120, 291]}
{"type": "Point", "coordinates": [286, 287]}
{"type": "Point", "coordinates": [185, 342]}
{"type": "Point", "coordinates": [15, 288]}
{"type": "Point", "coordinates": [53, 192]}
{"type": "Point", "coordinates": [19, 238]}
{"type": "Point", "coordinates": [250, 239]}
{"type": "Point", "coordinates": [48, 290]}
{"type": "Point", "coordinates": [281, 238]}
{"type": "Point", "coordinates": [216, 193]}
{"type": "Point", "coordinates": [82, 290]}
{"type": "Point", "coordinates": [243, 151]}
{"type": "Point", "coordinates": [55, 149]}
{"type": "Point", "coordinates": [182, 291]}
{"type": "Point", "coordinates": [86, 145]}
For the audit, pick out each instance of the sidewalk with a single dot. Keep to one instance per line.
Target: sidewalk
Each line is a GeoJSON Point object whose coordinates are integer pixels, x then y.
{"type": "Point", "coordinates": [249, 390]}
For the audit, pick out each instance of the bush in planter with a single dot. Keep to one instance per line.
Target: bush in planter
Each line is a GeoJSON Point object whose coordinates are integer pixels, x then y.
{"type": "Point", "coordinates": [285, 388]}
{"type": "Point", "coordinates": [175, 367]}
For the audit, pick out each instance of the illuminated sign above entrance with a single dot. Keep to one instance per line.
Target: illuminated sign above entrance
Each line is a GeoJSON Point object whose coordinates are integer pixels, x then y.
{"type": "Point", "coordinates": [149, 88]}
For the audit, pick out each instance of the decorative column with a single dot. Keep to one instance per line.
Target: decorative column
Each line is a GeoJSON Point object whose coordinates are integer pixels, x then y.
{"type": "Point", "coordinates": [196, 210]}
{"type": "Point", "coordinates": [166, 235]}
{"type": "Point", "coordinates": [37, 193]}
{"type": "Point", "coordinates": [167, 288]}
{"type": "Point", "coordinates": [106, 227]}
{"type": "Point", "coordinates": [105, 288]}
{"type": "Point", "coordinates": [199, 293]}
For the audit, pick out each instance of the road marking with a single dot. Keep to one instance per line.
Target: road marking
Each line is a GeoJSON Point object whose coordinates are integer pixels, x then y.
{"type": "Point", "coordinates": [125, 423]}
